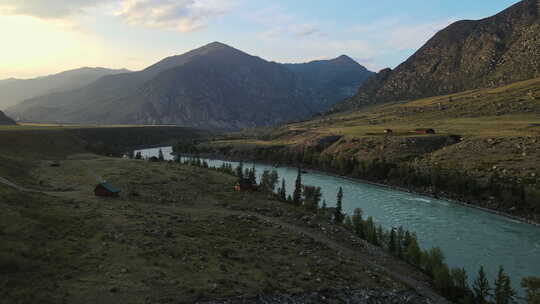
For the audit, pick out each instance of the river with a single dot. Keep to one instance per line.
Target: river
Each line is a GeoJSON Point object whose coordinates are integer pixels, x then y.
{"type": "Point", "coordinates": [468, 237]}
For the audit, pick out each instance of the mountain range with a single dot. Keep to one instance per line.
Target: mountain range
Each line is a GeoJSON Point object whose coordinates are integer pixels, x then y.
{"type": "Point", "coordinates": [14, 91]}
{"type": "Point", "coordinates": [213, 87]}
{"type": "Point", "coordinates": [491, 52]}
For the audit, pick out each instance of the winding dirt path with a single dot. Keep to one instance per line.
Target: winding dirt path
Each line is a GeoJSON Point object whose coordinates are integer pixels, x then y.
{"type": "Point", "coordinates": [15, 186]}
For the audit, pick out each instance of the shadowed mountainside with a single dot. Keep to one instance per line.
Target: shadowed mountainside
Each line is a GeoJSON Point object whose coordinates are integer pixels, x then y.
{"type": "Point", "coordinates": [13, 91]}
{"type": "Point", "coordinates": [491, 52]}
{"type": "Point", "coordinates": [4, 120]}
{"type": "Point", "coordinates": [213, 87]}
{"type": "Point", "coordinates": [332, 80]}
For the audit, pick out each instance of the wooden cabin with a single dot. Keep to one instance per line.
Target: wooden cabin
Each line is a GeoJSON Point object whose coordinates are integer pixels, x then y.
{"type": "Point", "coordinates": [104, 189]}
{"type": "Point", "coordinates": [244, 185]}
{"type": "Point", "coordinates": [425, 131]}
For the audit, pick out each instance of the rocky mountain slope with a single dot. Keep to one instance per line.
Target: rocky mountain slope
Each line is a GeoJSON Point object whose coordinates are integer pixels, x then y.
{"type": "Point", "coordinates": [213, 87]}
{"type": "Point", "coordinates": [332, 80]}
{"type": "Point", "coordinates": [13, 91]}
{"type": "Point", "coordinates": [491, 52]}
{"type": "Point", "coordinates": [4, 120]}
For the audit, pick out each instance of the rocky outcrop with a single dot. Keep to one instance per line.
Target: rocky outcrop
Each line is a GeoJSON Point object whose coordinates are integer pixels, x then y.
{"type": "Point", "coordinates": [466, 55]}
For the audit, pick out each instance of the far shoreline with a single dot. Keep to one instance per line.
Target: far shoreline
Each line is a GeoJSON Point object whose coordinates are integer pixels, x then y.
{"type": "Point", "coordinates": [388, 186]}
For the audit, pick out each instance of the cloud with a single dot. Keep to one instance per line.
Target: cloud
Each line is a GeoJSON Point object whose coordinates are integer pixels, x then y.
{"type": "Point", "coordinates": [47, 9]}
{"type": "Point", "coordinates": [182, 15]}
{"type": "Point", "coordinates": [400, 35]}
{"type": "Point", "coordinates": [280, 24]}
{"type": "Point", "coordinates": [413, 36]}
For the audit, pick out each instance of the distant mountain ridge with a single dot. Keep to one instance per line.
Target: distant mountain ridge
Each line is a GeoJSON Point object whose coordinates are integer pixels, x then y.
{"type": "Point", "coordinates": [332, 80]}
{"type": "Point", "coordinates": [13, 91]}
{"type": "Point", "coordinates": [213, 87]}
{"type": "Point", "coordinates": [491, 52]}
{"type": "Point", "coordinates": [4, 120]}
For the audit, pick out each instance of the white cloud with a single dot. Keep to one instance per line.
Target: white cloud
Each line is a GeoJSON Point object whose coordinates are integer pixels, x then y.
{"type": "Point", "coordinates": [182, 15]}
{"type": "Point", "coordinates": [413, 36]}
{"type": "Point", "coordinates": [399, 34]}
{"type": "Point", "coordinates": [47, 9]}
{"type": "Point", "coordinates": [280, 24]}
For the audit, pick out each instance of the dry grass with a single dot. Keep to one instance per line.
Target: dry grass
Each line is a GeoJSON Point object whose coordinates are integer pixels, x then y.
{"type": "Point", "coordinates": [176, 232]}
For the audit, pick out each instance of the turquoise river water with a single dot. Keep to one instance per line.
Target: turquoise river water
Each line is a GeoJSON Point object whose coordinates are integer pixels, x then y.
{"type": "Point", "coordinates": [468, 237]}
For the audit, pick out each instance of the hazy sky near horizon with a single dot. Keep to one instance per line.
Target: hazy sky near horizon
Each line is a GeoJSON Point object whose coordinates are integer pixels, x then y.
{"type": "Point", "coordinates": [41, 37]}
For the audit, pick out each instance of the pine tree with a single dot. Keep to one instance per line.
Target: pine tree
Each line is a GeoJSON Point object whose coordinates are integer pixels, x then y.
{"type": "Point", "coordinates": [379, 236]}
{"type": "Point", "coordinates": [160, 155]}
{"type": "Point", "coordinates": [532, 289]}
{"type": "Point", "coordinates": [406, 240]}
{"type": "Point", "coordinates": [392, 242]}
{"type": "Point", "coordinates": [265, 180]}
{"type": "Point", "coordinates": [461, 282]}
{"type": "Point", "coordinates": [297, 195]}
{"type": "Point", "coordinates": [312, 197]}
{"type": "Point", "coordinates": [324, 207]}
{"type": "Point", "coordinates": [347, 222]}
{"type": "Point", "coordinates": [273, 180]}
{"type": "Point", "coordinates": [358, 223]}
{"type": "Point", "coordinates": [138, 155]}
{"type": "Point", "coordinates": [283, 191]}
{"type": "Point", "coordinates": [481, 287]}
{"type": "Point", "coordinates": [503, 292]}
{"type": "Point", "coordinates": [414, 253]}
{"type": "Point", "coordinates": [371, 232]}
{"type": "Point", "coordinates": [252, 176]}
{"type": "Point", "coordinates": [399, 242]}
{"type": "Point", "coordinates": [240, 170]}
{"type": "Point", "coordinates": [434, 259]}
{"type": "Point", "coordinates": [442, 280]}
{"type": "Point", "coordinates": [338, 215]}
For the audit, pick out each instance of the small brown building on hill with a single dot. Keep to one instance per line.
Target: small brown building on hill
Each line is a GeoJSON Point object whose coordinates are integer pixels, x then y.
{"type": "Point", "coordinates": [244, 185]}
{"type": "Point", "coordinates": [425, 131]}
{"type": "Point", "coordinates": [105, 189]}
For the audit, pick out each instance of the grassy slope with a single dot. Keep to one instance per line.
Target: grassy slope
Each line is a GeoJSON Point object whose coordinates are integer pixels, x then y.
{"type": "Point", "coordinates": [500, 127]}
{"type": "Point", "coordinates": [176, 234]}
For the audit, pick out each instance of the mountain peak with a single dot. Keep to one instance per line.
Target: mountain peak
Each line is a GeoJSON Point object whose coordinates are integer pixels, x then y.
{"type": "Point", "coordinates": [217, 44]}
{"type": "Point", "coordinates": [345, 57]}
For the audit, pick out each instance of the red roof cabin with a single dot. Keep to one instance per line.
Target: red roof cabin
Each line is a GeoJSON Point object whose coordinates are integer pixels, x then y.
{"type": "Point", "coordinates": [425, 131]}
{"type": "Point", "coordinates": [104, 189]}
{"type": "Point", "coordinates": [244, 185]}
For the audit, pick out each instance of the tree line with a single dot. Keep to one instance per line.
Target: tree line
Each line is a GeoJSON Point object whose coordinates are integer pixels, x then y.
{"type": "Point", "coordinates": [453, 283]}
{"type": "Point", "coordinates": [505, 193]}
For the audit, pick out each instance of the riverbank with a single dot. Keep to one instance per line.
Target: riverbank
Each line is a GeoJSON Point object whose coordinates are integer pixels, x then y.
{"type": "Point", "coordinates": [176, 233]}
{"type": "Point", "coordinates": [444, 196]}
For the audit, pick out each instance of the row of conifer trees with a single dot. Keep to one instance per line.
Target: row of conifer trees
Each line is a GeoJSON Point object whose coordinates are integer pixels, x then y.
{"type": "Point", "coordinates": [453, 283]}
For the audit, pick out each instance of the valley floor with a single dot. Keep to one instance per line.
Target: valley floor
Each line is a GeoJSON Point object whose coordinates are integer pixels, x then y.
{"type": "Point", "coordinates": [178, 234]}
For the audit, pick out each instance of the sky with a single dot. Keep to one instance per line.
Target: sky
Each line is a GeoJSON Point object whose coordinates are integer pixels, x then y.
{"type": "Point", "coordinates": [41, 37]}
